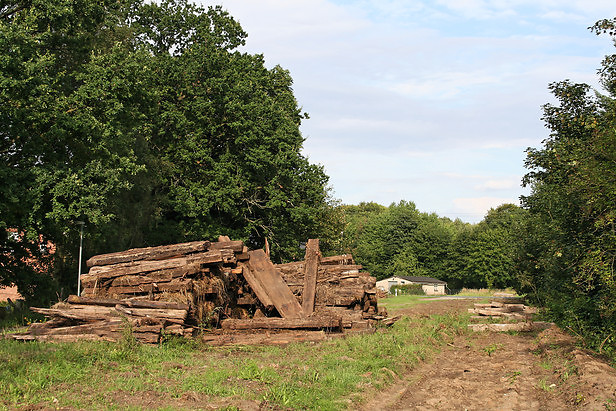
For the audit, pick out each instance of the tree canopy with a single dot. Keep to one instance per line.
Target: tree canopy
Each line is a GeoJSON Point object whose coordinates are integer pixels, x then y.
{"type": "Point", "coordinates": [568, 259]}
{"type": "Point", "coordinates": [145, 121]}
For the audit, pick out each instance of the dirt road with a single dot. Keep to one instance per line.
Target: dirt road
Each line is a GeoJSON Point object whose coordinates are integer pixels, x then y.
{"type": "Point", "coordinates": [498, 371]}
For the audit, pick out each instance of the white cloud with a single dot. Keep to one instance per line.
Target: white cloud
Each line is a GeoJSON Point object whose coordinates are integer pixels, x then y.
{"type": "Point", "coordinates": [480, 205]}
{"type": "Point", "coordinates": [495, 185]}
{"type": "Point", "coordinates": [428, 101]}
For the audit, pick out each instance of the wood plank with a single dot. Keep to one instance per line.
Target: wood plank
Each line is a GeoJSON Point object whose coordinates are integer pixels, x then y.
{"type": "Point", "coordinates": [338, 259]}
{"type": "Point", "coordinates": [272, 323]}
{"type": "Point", "coordinates": [257, 287]}
{"type": "Point", "coordinates": [311, 268]}
{"type": "Point", "coordinates": [136, 254]}
{"type": "Point", "coordinates": [188, 264]}
{"type": "Point", "coordinates": [235, 246]}
{"type": "Point", "coordinates": [73, 299]}
{"type": "Point", "coordinates": [273, 284]}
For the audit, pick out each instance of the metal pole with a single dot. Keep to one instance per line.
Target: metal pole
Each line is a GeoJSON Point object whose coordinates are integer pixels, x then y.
{"type": "Point", "coordinates": [81, 223]}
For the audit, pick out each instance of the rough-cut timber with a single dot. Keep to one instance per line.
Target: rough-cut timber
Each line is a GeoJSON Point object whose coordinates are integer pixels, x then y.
{"type": "Point", "coordinates": [273, 284]}
{"type": "Point", "coordinates": [110, 302]}
{"type": "Point", "coordinates": [311, 268]}
{"type": "Point", "coordinates": [148, 253]}
{"type": "Point", "coordinates": [272, 323]}
{"type": "Point", "coordinates": [257, 287]}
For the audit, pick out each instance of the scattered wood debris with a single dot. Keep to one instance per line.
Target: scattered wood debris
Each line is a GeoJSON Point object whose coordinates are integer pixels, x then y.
{"type": "Point", "coordinates": [509, 308]}
{"type": "Point", "coordinates": [230, 294]}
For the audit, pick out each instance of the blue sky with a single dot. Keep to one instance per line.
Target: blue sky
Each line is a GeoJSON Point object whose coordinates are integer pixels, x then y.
{"type": "Point", "coordinates": [427, 101]}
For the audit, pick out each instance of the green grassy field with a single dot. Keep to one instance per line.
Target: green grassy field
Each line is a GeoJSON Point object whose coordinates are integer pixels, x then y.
{"type": "Point", "coordinates": [335, 374]}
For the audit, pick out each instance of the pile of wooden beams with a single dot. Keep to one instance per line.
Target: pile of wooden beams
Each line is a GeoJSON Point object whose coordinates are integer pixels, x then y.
{"type": "Point", "coordinates": [510, 310]}
{"type": "Point", "coordinates": [334, 286]}
{"type": "Point", "coordinates": [518, 315]}
{"type": "Point", "coordinates": [237, 294]}
{"type": "Point", "coordinates": [83, 318]}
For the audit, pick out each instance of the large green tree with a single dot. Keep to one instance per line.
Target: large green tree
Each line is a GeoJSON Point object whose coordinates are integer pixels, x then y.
{"type": "Point", "coordinates": [568, 261]}
{"type": "Point", "coordinates": [485, 255]}
{"type": "Point", "coordinates": [146, 122]}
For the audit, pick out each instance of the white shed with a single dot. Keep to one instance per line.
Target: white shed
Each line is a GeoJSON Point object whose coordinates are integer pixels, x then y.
{"type": "Point", "coordinates": [430, 286]}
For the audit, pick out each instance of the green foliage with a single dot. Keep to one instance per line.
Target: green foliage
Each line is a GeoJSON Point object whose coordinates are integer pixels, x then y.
{"type": "Point", "coordinates": [396, 240]}
{"type": "Point", "coordinates": [407, 289]}
{"type": "Point", "coordinates": [144, 121]}
{"type": "Point", "coordinates": [400, 240]}
{"type": "Point", "coordinates": [568, 260]}
{"type": "Point", "coordinates": [485, 255]}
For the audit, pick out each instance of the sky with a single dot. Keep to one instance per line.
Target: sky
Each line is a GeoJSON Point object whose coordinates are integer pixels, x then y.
{"type": "Point", "coordinates": [433, 102]}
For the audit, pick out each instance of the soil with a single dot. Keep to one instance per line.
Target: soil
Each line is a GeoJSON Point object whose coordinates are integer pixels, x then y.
{"type": "Point", "coordinates": [503, 371]}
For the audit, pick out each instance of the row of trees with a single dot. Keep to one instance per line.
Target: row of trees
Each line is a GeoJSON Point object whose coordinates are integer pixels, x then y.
{"type": "Point", "coordinates": [400, 240]}
{"type": "Point", "coordinates": [145, 122]}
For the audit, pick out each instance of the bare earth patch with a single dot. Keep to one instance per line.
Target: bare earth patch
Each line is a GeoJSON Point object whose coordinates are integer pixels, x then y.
{"type": "Point", "coordinates": [500, 371]}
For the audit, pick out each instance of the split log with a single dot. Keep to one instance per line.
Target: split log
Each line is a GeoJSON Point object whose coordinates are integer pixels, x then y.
{"type": "Point", "coordinates": [80, 315]}
{"type": "Point", "coordinates": [177, 316]}
{"type": "Point", "coordinates": [172, 286]}
{"type": "Point", "coordinates": [311, 267]}
{"type": "Point", "coordinates": [272, 323]}
{"type": "Point", "coordinates": [148, 253]}
{"type": "Point", "coordinates": [274, 286]}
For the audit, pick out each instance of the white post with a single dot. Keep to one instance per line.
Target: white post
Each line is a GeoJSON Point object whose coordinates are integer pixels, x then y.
{"type": "Point", "coordinates": [81, 223]}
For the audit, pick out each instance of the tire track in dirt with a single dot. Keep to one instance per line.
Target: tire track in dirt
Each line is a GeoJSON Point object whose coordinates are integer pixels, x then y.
{"type": "Point", "coordinates": [499, 371]}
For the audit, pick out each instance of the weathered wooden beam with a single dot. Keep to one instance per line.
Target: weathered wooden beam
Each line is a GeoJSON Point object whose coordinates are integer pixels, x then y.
{"type": "Point", "coordinates": [73, 299]}
{"type": "Point", "coordinates": [257, 287]}
{"type": "Point", "coordinates": [183, 265]}
{"type": "Point", "coordinates": [148, 253]}
{"type": "Point", "coordinates": [311, 268]}
{"type": "Point", "coordinates": [277, 290]}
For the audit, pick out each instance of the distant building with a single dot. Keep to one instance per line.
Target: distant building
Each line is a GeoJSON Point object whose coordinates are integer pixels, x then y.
{"type": "Point", "coordinates": [430, 286]}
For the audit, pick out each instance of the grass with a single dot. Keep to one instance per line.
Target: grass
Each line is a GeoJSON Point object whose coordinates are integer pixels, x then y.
{"type": "Point", "coordinates": [13, 318]}
{"type": "Point", "coordinates": [331, 375]}
{"type": "Point", "coordinates": [393, 304]}
{"type": "Point", "coordinates": [483, 292]}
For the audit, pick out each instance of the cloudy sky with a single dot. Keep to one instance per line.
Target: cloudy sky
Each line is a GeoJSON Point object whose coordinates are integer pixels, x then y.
{"type": "Point", "coordinates": [427, 101]}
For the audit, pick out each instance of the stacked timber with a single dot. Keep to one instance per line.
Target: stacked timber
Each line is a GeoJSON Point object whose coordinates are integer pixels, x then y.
{"type": "Point", "coordinates": [238, 295]}
{"type": "Point", "coordinates": [83, 318]}
{"type": "Point", "coordinates": [342, 288]}
{"type": "Point", "coordinates": [514, 311]}
{"type": "Point", "coordinates": [518, 315]}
